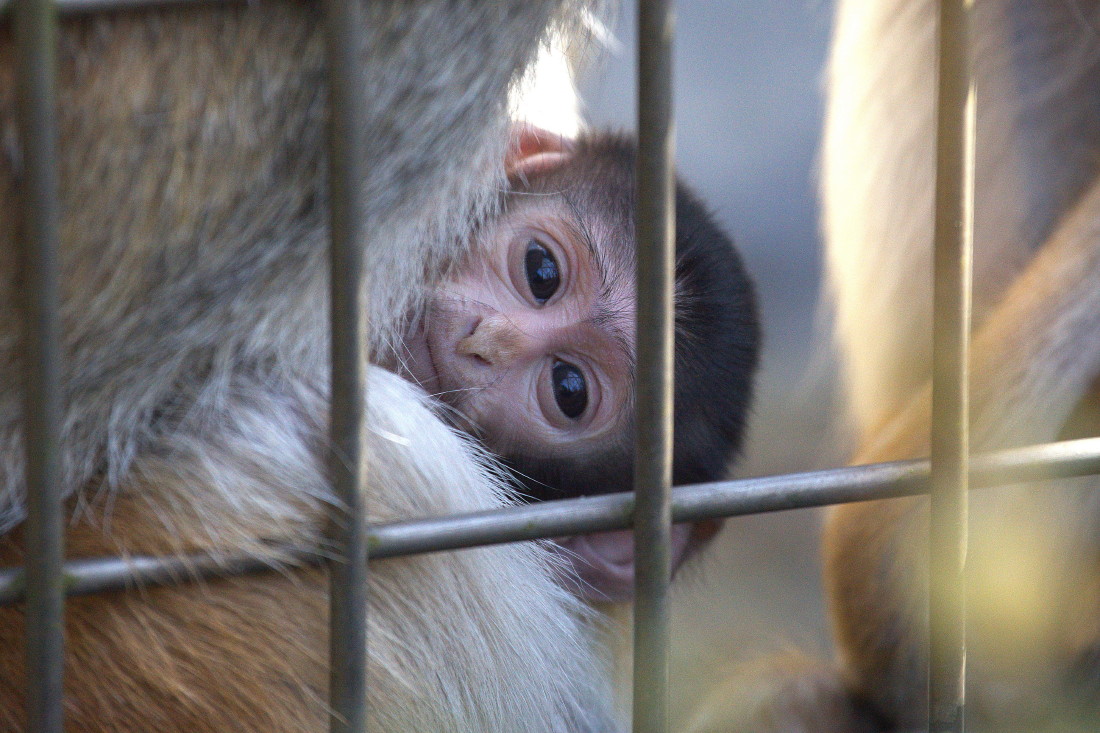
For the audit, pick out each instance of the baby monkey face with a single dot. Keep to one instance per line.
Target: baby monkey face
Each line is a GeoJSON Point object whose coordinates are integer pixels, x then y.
{"type": "Point", "coordinates": [531, 338]}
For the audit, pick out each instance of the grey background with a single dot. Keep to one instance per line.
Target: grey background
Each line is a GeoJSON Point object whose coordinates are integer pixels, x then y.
{"type": "Point", "coordinates": [748, 95]}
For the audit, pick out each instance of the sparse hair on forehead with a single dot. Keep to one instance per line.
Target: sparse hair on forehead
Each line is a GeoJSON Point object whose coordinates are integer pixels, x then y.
{"type": "Point", "coordinates": [717, 335]}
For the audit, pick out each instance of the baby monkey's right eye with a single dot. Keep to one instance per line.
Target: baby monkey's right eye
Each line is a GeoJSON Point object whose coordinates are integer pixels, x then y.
{"type": "Point", "coordinates": [542, 271]}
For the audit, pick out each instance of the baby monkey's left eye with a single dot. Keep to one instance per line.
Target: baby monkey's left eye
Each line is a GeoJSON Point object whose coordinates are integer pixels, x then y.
{"type": "Point", "coordinates": [570, 390]}
{"type": "Point", "coordinates": [542, 271]}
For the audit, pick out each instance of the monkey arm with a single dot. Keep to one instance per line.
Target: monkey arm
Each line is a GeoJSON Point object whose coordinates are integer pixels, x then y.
{"type": "Point", "coordinates": [1032, 361]}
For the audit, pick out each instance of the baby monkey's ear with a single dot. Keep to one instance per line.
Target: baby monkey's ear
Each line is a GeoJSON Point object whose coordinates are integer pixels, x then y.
{"type": "Point", "coordinates": [532, 151]}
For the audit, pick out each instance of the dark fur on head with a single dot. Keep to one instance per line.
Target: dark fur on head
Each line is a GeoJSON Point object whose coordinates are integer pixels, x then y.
{"type": "Point", "coordinates": [717, 330]}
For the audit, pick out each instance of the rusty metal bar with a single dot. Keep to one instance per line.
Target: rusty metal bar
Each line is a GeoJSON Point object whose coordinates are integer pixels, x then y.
{"type": "Point", "coordinates": [1067, 459]}
{"type": "Point", "coordinates": [345, 27]}
{"type": "Point", "coordinates": [109, 574]}
{"type": "Point", "coordinates": [950, 373]}
{"type": "Point", "coordinates": [68, 8]}
{"type": "Point", "coordinates": [36, 51]}
{"type": "Point", "coordinates": [653, 402]}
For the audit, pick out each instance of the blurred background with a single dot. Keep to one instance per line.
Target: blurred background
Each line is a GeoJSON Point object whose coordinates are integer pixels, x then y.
{"type": "Point", "coordinates": [749, 93]}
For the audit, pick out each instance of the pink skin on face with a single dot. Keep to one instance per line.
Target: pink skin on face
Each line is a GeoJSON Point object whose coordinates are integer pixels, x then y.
{"type": "Point", "coordinates": [493, 337]}
{"type": "Point", "coordinates": [492, 345]}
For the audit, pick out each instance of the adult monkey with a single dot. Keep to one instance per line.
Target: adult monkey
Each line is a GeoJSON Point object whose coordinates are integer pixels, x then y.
{"type": "Point", "coordinates": [1032, 602]}
{"type": "Point", "coordinates": [192, 168]}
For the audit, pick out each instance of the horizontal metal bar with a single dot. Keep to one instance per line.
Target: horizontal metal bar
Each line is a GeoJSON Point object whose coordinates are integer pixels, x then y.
{"type": "Point", "coordinates": [1068, 459]}
{"type": "Point", "coordinates": [729, 498]}
{"type": "Point", "coordinates": [81, 7]}
{"type": "Point", "coordinates": [101, 575]}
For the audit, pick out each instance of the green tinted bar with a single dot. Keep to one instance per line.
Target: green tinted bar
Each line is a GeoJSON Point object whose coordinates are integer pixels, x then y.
{"type": "Point", "coordinates": [345, 48]}
{"type": "Point", "coordinates": [36, 46]}
{"type": "Point", "coordinates": [655, 225]}
{"type": "Point", "coordinates": [950, 374]}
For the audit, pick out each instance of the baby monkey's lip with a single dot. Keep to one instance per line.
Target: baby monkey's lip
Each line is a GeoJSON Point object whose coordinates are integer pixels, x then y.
{"type": "Point", "coordinates": [603, 562]}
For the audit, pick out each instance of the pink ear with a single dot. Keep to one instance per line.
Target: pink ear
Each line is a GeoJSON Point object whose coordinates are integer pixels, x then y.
{"type": "Point", "coordinates": [533, 150]}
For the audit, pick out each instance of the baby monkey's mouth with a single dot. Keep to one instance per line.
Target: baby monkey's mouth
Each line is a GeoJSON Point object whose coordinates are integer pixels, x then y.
{"type": "Point", "coordinates": [603, 562]}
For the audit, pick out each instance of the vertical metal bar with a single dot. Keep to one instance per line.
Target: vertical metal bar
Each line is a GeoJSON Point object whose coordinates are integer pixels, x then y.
{"type": "Point", "coordinates": [951, 337]}
{"type": "Point", "coordinates": [653, 440]}
{"type": "Point", "coordinates": [36, 44]}
{"type": "Point", "coordinates": [345, 30]}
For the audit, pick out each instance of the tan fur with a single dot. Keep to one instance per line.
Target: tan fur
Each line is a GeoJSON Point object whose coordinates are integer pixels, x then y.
{"type": "Point", "coordinates": [1032, 610]}
{"type": "Point", "coordinates": [196, 377]}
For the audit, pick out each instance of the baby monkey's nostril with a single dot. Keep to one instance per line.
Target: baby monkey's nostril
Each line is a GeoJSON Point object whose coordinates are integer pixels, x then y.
{"type": "Point", "coordinates": [495, 342]}
{"type": "Point", "coordinates": [470, 345]}
{"type": "Point", "coordinates": [474, 347]}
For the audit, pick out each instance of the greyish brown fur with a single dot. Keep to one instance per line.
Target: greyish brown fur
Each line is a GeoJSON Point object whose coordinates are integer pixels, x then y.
{"type": "Point", "coordinates": [195, 343]}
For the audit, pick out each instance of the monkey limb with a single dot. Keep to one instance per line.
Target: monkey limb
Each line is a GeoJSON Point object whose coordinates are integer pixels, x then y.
{"type": "Point", "coordinates": [195, 341]}
{"type": "Point", "coordinates": [1032, 601]}
{"type": "Point", "coordinates": [1026, 381]}
{"type": "Point", "coordinates": [1033, 360]}
{"type": "Point", "coordinates": [1036, 350]}
{"type": "Point", "coordinates": [879, 140]}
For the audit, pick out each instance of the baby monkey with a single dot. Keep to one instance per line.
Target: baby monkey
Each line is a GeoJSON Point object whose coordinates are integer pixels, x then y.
{"type": "Point", "coordinates": [530, 340]}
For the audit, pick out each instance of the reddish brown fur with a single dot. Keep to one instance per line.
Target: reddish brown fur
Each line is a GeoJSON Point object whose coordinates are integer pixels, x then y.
{"type": "Point", "coordinates": [239, 654]}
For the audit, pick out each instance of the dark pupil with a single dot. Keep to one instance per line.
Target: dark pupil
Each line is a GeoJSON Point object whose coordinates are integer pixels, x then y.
{"type": "Point", "coordinates": [542, 271]}
{"type": "Point", "coordinates": [570, 391]}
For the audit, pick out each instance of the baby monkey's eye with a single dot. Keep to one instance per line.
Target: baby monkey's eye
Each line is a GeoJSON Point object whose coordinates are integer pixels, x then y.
{"type": "Point", "coordinates": [542, 271]}
{"type": "Point", "coordinates": [570, 391]}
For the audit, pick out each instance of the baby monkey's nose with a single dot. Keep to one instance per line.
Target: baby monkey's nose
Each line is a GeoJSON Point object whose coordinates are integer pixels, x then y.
{"type": "Point", "coordinates": [495, 340]}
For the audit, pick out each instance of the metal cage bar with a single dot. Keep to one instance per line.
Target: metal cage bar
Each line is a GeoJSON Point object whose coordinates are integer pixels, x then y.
{"type": "Point", "coordinates": [69, 8]}
{"type": "Point", "coordinates": [1067, 459]}
{"type": "Point", "coordinates": [655, 225]}
{"type": "Point", "coordinates": [950, 437]}
{"type": "Point", "coordinates": [44, 580]}
{"type": "Point", "coordinates": [345, 47]}
{"type": "Point", "coordinates": [36, 49]}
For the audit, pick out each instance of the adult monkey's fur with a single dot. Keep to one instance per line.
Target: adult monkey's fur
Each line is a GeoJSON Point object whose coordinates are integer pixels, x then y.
{"type": "Point", "coordinates": [1033, 603]}
{"type": "Point", "coordinates": [195, 331]}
